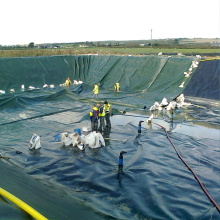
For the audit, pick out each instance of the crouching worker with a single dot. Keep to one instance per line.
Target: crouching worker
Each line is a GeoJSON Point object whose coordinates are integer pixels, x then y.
{"type": "Point", "coordinates": [94, 118]}
{"type": "Point", "coordinates": [101, 117]}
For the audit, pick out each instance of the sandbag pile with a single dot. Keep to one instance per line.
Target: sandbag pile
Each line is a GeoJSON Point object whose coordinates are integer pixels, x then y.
{"type": "Point", "coordinates": [92, 140]}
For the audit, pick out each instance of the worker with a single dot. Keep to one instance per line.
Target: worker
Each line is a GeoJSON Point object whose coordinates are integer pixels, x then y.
{"type": "Point", "coordinates": [96, 90]}
{"type": "Point", "coordinates": [101, 117]}
{"type": "Point", "coordinates": [94, 118]}
{"type": "Point", "coordinates": [107, 109]}
{"type": "Point", "coordinates": [117, 87]}
{"type": "Point", "coordinates": [67, 82]}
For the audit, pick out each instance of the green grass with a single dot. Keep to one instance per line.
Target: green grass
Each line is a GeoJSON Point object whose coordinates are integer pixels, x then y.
{"type": "Point", "coordinates": [102, 51]}
{"type": "Point", "coordinates": [154, 50]}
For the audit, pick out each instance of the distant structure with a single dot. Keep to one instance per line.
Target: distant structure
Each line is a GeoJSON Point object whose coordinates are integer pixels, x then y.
{"type": "Point", "coordinates": [151, 37]}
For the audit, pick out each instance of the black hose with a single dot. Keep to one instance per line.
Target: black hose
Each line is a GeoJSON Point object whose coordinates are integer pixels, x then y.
{"type": "Point", "coordinates": [196, 177]}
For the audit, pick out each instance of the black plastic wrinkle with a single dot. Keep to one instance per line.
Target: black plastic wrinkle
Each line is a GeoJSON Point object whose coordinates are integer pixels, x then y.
{"type": "Point", "coordinates": [196, 177]}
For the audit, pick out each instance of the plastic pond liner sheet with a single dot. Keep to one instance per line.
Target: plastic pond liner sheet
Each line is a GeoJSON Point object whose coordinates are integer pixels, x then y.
{"type": "Point", "coordinates": [63, 182]}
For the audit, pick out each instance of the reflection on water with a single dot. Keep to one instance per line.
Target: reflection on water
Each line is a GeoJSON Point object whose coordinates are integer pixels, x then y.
{"type": "Point", "coordinates": [152, 183]}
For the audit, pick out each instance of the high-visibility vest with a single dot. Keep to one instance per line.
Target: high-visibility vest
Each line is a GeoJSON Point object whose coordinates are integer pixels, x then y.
{"type": "Point", "coordinates": [94, 114]}
{"type": "Point", "coordinates": [67, 83]}
{"type": "Point", "coordinates": [117, 87]}
{"type": "Point", "coordinates": [101, 109]}
{"type": "Point", "coordinates": [107, 108]}
{"type": "Point", "coordinates": [96, 89]}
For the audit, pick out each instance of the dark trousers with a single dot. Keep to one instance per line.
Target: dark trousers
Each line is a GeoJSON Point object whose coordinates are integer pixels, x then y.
{"type": "Point", "coordinates": [94, 125]}
{"type": "Point", "coordinates": [101, 123]}
{"type": "Point", "coordinates": [95, 96]}
{"type": "Point", "coordinates": [108, 123]}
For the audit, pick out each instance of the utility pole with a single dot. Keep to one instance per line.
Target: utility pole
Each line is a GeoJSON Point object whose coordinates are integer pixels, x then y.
{"type": "Point", "coordinates": [151, 37]}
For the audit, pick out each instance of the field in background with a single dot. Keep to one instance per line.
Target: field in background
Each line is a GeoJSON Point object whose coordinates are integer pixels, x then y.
{"type": "Point", "coordinates": [106, 51]}
{"type": "Point", "coordinates": [185, 46]}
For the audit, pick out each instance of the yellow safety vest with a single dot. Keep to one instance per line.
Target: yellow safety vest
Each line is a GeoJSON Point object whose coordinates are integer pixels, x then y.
{"type": "Point", "coordinates": [107, 108]}
{"type": "Point", "coordinates": [67, 83]}
{"type": "Point", "coordinates": [96, 89]}
{"type": "Point", "coordinates": [117, 87]}
{"type": "Point", "coordinates": [103, 112]}
{"type": "Point", "coordinates": [94, 114]}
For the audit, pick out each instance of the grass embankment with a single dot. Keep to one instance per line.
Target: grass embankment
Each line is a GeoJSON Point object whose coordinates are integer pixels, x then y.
{"type": "Point", "coordinates": [102, 51]}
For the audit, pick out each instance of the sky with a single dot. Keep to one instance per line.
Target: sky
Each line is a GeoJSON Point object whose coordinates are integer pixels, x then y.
{"type": "Point", "coordinates": [65, 21]}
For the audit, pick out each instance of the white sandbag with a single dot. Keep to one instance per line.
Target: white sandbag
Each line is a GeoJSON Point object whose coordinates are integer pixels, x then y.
{"type": "Point", "coordinates": [93, 140]}
{"type": "Point", "coordinates": [96, 140]}
{"type": "Point", "coordinates": [182, 85]}
{"type": "Point", "coordinates": [194, 64]}
{"type": "Point", "coordinates": [180, 98]}
{"type": "Point", "coordinates": [70, 139]}
{"type": "Point", "coordinates": [88, 139]}
{"type": "Point", "coordinates": [164, 102]}
{"type": "Point", "coordinates": [152, 108]}
{"type": "Point", "coordinates": [63, 136]}
{"type": "Point", "coordinates": [160, 108]}
{"type": "Point", "coordinates": [172, 105]}
{"type": "Point", "coordinates": [155, 106]}
{"type": "Point", "coordinates": [186, 74]}
{"type": "Point", "coordinates": [75, 139]}
{"type": "Point", "coordinates": [35, 142]}
{"type": "Point", "coordinates": [97, 143]}
{"type": "Point", "coordinates": [81, 146]}
{"type": "Point", "coordinates": [86, 129]}
{"type": "Point", "coordinates": [150, 118]}
{"type": "Point", "coordinates": [101, 140]}
{"type": "Point", "coordinates": [66, 139]}
{"type": "Point", "coordinates": [169, 107]}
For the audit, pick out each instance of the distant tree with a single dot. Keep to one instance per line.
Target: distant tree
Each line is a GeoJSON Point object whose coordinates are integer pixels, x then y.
{"type": "Point", "coordinates": [176, 41]}
{"type": "Point", "coordinates": [31, 45]}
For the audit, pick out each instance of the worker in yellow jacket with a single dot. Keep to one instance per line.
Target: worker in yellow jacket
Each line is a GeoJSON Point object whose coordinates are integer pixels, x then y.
{"type": "Point", "coordinates": [96, 90]}
{"type": "Point", "coordinates": [94, 114]}
{"type": "Point", "coordinates": [107, 109]}
{"type": "Point", "coordinates": [117, 87]}
{"type": "Point", "coordinates": [68, 82]}
{"type": "Point", "coordinates": [101, 117]}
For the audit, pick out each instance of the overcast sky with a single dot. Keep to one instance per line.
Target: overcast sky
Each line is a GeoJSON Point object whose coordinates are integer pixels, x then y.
{"type": "Point", "coordinates": [50, 21]}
